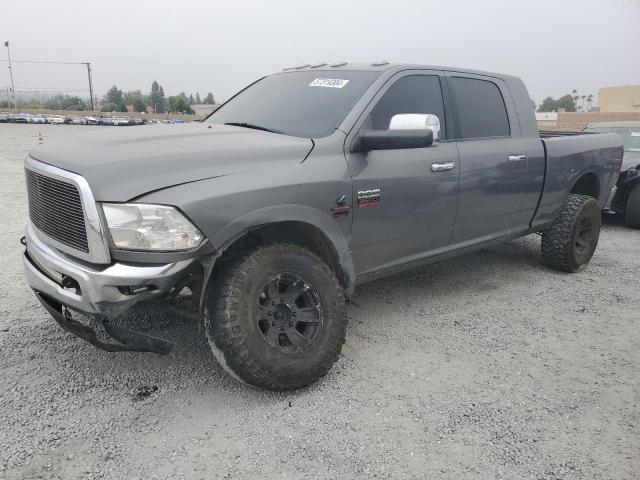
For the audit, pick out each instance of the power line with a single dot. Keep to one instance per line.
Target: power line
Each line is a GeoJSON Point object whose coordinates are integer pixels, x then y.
{"type": "Point", "coordinates": [36, 90]}
{"type": "Point", "coordinates": [44, 61]}
{"type": "Point", "coordinates": [51, 62]}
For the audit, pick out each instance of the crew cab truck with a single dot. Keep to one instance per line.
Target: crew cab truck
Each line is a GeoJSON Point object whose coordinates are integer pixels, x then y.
{"type": "Point", "coordinates": [305, 184]}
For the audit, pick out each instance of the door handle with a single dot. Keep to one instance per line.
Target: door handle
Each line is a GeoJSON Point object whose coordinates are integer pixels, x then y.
{"type": "Point", "coordinates": [442, 167]}
{"type": "Point", "coordinates": [516, 158]}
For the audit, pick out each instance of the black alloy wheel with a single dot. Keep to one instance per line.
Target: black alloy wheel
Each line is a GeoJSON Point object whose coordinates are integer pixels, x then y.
{"type": "Point", "coordinates": [289, 313]}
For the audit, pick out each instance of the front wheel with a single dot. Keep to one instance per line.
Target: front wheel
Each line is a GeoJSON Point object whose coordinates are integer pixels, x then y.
{"type": "Point", "coordinates": [569, 243]}
{"type": "Point", "coordinates": [632, 210]}
{"type": "Point", "coordinates": [276, 318]}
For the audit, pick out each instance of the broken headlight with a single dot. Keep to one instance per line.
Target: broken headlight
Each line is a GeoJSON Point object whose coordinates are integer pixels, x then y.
{"type": "Point", "coordinates": [140, 226]}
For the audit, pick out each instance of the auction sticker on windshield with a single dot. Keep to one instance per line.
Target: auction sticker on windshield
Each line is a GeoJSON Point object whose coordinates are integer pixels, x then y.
{"type": "Point", "coordinates": [329, 82]}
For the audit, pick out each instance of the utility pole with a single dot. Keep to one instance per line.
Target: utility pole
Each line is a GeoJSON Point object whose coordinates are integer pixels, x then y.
{"type": "Point", "coordinates": [88, 64]}
{"type": "Point", "coordinates": [13, 88]}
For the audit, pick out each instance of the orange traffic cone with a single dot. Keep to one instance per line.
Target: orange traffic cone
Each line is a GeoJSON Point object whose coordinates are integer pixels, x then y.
{"type": "Point", "coordinates": [40, 139]}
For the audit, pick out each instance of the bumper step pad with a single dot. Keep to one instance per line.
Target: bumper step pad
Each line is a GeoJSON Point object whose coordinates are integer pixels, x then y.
{"type": "Point", "coordinates": [130, 341]}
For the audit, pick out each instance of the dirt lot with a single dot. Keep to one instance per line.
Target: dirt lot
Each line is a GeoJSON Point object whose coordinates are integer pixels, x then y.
{"type": "Point", "coordinates": [486, 366]}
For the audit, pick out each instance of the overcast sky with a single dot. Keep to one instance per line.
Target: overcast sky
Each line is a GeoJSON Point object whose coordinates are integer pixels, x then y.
{"type": "Point", "coordinates": [201, 46]}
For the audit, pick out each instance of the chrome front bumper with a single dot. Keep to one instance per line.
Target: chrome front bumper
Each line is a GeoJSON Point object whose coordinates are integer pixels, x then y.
{"type": "Point", "coordinates": [96, 289]}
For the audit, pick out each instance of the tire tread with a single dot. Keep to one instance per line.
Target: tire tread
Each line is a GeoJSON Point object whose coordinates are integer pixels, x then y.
{"type": "Point", "coordinates": [632, 209]}
{"type": "Point", "coordinates": [226, 319]}
{"type": "Point", "coordinates": [557, 250]}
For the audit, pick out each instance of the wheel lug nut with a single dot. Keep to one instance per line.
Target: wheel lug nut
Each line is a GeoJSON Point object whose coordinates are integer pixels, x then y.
{"type": "Point", "coordinates": [273, 303]}
{"type": "Point", "coordinates": [270, 313]}
{"type": "Point", "coordinates": [294, 314]}
{"type": "Point", "coordinates": [291, 324]}
{"type": "Point", "coordinates": [273, 324]}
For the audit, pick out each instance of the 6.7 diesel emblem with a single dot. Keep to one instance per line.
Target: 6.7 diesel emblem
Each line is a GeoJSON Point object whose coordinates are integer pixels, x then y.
{"type": "Point", "coordinates": [368, 198]}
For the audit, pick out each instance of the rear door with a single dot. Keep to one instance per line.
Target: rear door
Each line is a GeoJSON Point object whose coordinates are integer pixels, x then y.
{"type": "Point", "coordinates": [493, 160]}
{"type": "Point", "coordinates": [406, 198]}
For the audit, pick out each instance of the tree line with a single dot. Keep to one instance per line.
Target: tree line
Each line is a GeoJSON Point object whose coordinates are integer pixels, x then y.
{"type": "Point", "coordinates": [57, 102]}
{"type": "Point", "coordinates": [115, 100]}
{"type": "Point", "coordinates": [571, 102]}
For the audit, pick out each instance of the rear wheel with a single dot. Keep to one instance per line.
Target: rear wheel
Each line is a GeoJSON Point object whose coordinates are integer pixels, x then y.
{"type": "Point", "coordinates": [276, 318]}
{"type": "Point", "coordinates": [569, 243]}
{"type": "Point", "coordinates": [632, 210]}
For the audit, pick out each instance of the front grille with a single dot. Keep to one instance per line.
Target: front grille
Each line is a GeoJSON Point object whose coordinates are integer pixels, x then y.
{"type": "Point", "coordinates": [55, 209]}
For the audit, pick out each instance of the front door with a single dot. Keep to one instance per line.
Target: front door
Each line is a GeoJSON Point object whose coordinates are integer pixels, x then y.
{"type": "Point", "coordinates": [405, 199]}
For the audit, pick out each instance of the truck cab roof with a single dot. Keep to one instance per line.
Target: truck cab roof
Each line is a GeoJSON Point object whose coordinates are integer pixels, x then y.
{"type": "Point", "coordinates": [385, 67]}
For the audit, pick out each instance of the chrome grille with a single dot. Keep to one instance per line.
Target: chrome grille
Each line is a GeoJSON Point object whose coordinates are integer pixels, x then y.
{"type": "Point", "coordinates": [55, 209]}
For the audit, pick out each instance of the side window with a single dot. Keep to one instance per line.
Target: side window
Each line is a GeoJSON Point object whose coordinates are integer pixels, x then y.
{"type": "Point", "coordinates": [414, 101]}
{"type": "Point", "coordinates": [481, 109]}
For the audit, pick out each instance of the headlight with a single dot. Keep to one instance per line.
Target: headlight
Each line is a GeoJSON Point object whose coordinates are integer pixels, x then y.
{"type": "Point", "coordinates": [139, 226]}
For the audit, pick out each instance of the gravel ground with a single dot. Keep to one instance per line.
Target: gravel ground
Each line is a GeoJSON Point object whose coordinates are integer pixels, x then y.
{"type": "Point", "coordinates": [486, 366]}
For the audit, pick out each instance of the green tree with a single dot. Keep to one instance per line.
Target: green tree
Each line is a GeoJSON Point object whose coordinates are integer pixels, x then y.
{"type": "Point", "coordinates": [157, 99]}
{"type": "Point", "coordinates": [180, 104]}
{"type": "Point", "coordinates": [130, 96]}
{"type": "Point", "coordinates": [139, 105]}
{"type": "Point", "coordinates": [209, 99]}
{"type": "Point", "coordinates": [548, 105]}
{"type": "Point", "coordinates": [192, 100]}
{"type": "Point", "coordinates": [113, 107]}
{"type": "Point", "coordinates": [567, 103]}
{"type": "Point", "coordinates": [198, 99]}
{"type": "Point", "coordinates": [72, 103]}
{"type": "Point", "coordinates": [114, 95]}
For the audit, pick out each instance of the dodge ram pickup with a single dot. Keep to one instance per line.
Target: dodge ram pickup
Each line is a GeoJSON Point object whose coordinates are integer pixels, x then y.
{"type": "Point", "coordinates": [305, 184]}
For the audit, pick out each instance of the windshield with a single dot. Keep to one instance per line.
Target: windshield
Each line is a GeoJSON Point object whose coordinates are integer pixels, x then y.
{"type": "Point", "coordinates": [630, 136]}
{"type": "Point", "coordinates": [308, 104]}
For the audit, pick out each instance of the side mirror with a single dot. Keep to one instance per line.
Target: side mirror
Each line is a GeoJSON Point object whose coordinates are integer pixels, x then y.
{"type": "Point", "coordinates": [392, 140]}
{"type": "Point", "coordinates": [416, 121]}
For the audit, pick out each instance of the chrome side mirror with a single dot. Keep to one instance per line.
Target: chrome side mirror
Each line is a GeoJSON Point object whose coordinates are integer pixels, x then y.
{"type": "Point", "coordinates": [416, 121]}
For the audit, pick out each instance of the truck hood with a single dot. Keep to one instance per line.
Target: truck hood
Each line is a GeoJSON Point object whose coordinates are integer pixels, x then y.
{"type": "Point", "coordinates": [121, 163]}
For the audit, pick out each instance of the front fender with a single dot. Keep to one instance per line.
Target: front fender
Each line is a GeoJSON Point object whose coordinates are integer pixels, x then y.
{"type": "Point", "coordinates": [239, 226]}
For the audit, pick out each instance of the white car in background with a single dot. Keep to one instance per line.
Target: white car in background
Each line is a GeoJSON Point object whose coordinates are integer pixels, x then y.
{"type": "Point", "coordinates": [119, 121]}
{"type": "Point", "coordinates": [55, 119]}
{"type": "Point", "coordinates": [38, 119]}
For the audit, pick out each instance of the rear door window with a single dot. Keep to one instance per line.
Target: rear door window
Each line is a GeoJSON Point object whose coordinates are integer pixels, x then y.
{"type": "Point", "coordinates": [481, 109]}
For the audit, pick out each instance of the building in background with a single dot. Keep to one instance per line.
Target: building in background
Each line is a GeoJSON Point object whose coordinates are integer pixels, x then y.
{"type": "Point", "coordinates": [624, 98]}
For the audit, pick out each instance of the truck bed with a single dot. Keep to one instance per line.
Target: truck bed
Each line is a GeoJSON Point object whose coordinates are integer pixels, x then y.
{"type": "Point", "coordinates": [557, 133]}
{"type": "Point", "coordinates": [592, 158]}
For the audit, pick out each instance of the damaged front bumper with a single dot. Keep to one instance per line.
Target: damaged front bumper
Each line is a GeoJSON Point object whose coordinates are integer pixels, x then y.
{"type": "Point", "coordinates": [99, 291]}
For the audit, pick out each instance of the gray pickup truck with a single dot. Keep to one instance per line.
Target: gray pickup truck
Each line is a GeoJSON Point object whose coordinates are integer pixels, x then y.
{"type": "Point", "coordinates": [305, 184]}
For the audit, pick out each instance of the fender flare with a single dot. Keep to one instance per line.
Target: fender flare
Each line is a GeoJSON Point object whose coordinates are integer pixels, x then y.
{"type": "Point", "coordinates": [260, 217]}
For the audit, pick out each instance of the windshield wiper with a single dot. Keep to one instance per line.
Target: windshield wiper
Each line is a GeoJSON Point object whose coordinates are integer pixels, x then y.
{"type": "Point", "coordinates": [254, 127]}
